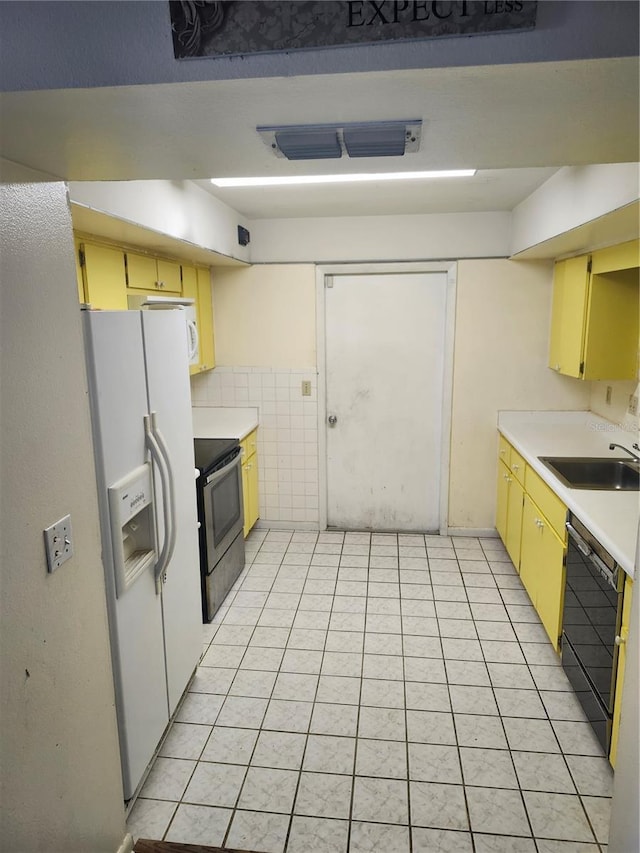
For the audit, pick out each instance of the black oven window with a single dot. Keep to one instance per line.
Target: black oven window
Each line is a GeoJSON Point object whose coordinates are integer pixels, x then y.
{"type": "Point", "coordinates": [225, 501]}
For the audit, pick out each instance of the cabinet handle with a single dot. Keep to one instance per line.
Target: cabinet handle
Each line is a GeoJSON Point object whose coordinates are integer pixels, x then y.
{"type": "Point", "coordinates": [620, 641]}
{"type": "Point", "coordinates": [506, 477]}
{"type": "Point", "coordinates": [557, 367]}
{"type": "Point", "coordinates": [515, 467]}
{"type": "Point", "coordinates": [503, 452]}
{"type": "Point", "coordinates": [160, 284]}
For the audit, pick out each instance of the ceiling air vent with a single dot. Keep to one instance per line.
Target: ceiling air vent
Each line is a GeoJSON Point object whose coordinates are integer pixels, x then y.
{"type": "Point", "coordinates": [331, 141]}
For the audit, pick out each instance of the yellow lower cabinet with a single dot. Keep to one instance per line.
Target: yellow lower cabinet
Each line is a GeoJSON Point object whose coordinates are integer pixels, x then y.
{"type": "Point", "coordinates": [542, 568]}
{"type": "Point", "coordinates": [622, 655]}
{"type": "Point", "coordinates": [250, 496]}
{"type": "Point", "coordinates": [509, 501]}
{"type": "Point", "coordinates": [105, 284]}
{"type": "Point", "coordinates": [514, 521]}
{"type": "Point", "coordinates": [502, 504]}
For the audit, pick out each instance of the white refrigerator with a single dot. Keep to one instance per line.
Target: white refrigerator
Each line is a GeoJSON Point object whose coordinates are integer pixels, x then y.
{"type": "Point", "coordinates": [143, 442]}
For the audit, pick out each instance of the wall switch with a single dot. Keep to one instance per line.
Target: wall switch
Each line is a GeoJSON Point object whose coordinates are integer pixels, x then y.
{"type": "Point", "coordinates": [633, 404]}
{"type": "Point", "coordinates": [306, 388]}
{"type": "Point", "coordinates": [58, 543]}
{"type": "Point", "coordinates": [607, 398]}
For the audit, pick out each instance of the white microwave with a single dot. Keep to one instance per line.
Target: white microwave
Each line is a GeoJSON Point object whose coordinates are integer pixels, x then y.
{"type": "Point", "coordinates": [188, 306]}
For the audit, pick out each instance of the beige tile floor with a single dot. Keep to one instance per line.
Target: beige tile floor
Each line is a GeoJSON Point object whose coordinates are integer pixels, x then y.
{"type": "Point", "coordinates": [378, 692]}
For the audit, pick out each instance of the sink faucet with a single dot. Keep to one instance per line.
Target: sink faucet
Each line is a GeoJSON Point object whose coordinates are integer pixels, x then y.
{"type": "Point", "coordinates": [626, 450]}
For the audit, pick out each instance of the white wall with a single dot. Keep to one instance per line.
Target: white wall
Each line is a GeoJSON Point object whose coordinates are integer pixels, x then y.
{"type": "Point", "coordinates": [572, 197]}
{"type": "Point", "coordinates": [265, 316]}
{"type": "Point", "coordinates": [500, 362]}
{"type": "Point", "coordinates": [61, 785]}
{"type": "Point", "coordinates": [381, 238]}
{"type": "Point", "coordinates": [179, 209]}
{"type": "Point", "coordinates": [58, 45]}
{"type": "Point", "coordinates": [617, 410]}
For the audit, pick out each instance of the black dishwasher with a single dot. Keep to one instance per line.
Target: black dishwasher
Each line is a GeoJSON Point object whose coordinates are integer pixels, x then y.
{"type": "Point", "coordinates": [591, 625]}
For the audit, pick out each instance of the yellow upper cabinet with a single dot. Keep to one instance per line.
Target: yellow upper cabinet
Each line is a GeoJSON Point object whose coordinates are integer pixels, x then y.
{"type": "Point", "coordinates": [594, 325]}
{"type": "Point", "coordinates": [103, 276]}
{"type": "Point", "coordinates": [160, 275]}
{"type": "Point", "coordinates": [205, 319]}
{"type": "Point", "coordinates": [570, 285]}
{"type": "Point", "coordinates": [196, 284]}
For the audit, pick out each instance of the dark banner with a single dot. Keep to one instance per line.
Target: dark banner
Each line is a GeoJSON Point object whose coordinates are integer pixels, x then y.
{"type": "Point", "coordinates": [202, 28]}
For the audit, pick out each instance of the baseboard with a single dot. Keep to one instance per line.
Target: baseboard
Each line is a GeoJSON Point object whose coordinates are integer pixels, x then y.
{"type": "Point", "coordinates": [263, 524]}
{"type": "Point", "coordinates": [127, 844]}
{"type": "Point", "coordinates": [477, 532]}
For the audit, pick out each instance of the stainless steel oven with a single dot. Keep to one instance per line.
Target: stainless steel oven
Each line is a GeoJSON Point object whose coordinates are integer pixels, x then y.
{"type": "Point", "coordinates": [591, 625]}
{"type": "Point", "coordinates": [220, 514]}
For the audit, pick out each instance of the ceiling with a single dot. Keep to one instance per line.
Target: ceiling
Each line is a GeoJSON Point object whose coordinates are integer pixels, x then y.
{"type": "Point", "coordinates": [515, 123]}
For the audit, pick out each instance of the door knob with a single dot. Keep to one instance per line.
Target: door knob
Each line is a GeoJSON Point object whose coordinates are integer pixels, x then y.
{"type": "Point", "coordinates": [332, 420]}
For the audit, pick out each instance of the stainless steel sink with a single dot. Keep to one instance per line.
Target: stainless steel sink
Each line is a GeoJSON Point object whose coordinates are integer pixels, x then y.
{"type": "Point", "coordinates": [594, 473]}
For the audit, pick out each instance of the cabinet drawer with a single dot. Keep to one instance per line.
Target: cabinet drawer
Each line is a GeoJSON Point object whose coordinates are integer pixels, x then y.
{"type": "Point", "coordinates": [517, 466]}
{"type": "Point", "coordinates": [504, 450]}
{"type": "Point", "coordinates": [547, 501]}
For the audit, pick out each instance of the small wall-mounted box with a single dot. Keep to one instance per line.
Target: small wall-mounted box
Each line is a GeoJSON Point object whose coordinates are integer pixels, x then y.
{"type": "Point", "coordinates": [243, 236]}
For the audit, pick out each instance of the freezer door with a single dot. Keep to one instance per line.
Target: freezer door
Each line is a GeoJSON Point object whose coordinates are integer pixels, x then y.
{"type": "Point", "coordinates": [170, 398]}
{"type": "Point", "coordinates": [118, 393]}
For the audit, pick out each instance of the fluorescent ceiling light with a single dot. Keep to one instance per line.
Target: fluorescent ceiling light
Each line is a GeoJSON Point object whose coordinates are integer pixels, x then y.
{"type": "Point", "coordinates": [292, 180]}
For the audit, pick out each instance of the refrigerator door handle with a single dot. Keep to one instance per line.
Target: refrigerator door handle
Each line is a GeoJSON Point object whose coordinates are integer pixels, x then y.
{"type": "Point", "coordinates": [158, 458]}
{"type": "Point", "coordinates": [171, 491]}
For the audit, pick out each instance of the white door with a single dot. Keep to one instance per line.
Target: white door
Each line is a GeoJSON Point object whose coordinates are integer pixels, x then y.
{"type": "Point", "coordinates": [385, 341]}
{"type": "Point", "coordinates": [170, 397]}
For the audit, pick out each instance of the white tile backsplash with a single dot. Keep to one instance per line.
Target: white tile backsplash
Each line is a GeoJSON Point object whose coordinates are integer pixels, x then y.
{"type": "Point", "coordinates": [287, 437]}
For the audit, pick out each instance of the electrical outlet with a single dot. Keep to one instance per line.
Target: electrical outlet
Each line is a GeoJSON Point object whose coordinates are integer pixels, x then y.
{"type": "Point", "coordinates": [633, 404]}
{"type": "Point", "coordinates": [607, 398]}
{"type": "Point", "coordinates": [306, 388]}
{"type": "Point", "coordinates": [58, 543]}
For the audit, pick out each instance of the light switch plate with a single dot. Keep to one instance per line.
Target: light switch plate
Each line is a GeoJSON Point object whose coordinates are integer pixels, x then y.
{"type": "Point", "coordinates": [58, 543]}
{"type": "Point", "coordinates": [306, 388]}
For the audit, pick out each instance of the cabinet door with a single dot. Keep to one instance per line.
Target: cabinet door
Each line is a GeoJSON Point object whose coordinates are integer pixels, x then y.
{"type": "Point", "coordinates": [570, 283]}
{"type": "Point", "coordinates": [620, 668]}
{"type": "Point", "coordinates": [529, 549]}
{"type": "Point", "coordinates": [205, 320]}
{"type": "Point", "coordinates": [542, 568]}
{"type": "Point", "coordinates": [502, 501]}
{"type": "Point", "coordinates": [104, 277]}
{"type": "Point", "coordinates": [169, 275]}
{"type": "Point", "coordinates": [550, 595]}
{"type": "Point", "coordinates": [245, 499]}
{"type": "Point", "coordinates": [514, 521]}
{"type": "Point", "coordinates": [142, 273]}
{"type": "Point", "coordinates": [252, 483]}
{"type": "Point", "coordinates": [79, 277]}
{"type": "Point", "coordinates": [611, 336]}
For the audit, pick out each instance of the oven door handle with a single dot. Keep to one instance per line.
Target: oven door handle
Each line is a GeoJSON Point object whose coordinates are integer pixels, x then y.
{"type": "Point", "coordinates": [584, 547]}
{"type": "Point", "coordinates": [218, 475]}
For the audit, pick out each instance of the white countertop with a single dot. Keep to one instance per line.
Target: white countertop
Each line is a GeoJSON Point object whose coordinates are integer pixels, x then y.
{"type": "Point", "coordinates": [223, 421]}
{"type": "Point", "coordinates": [612, 516]}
